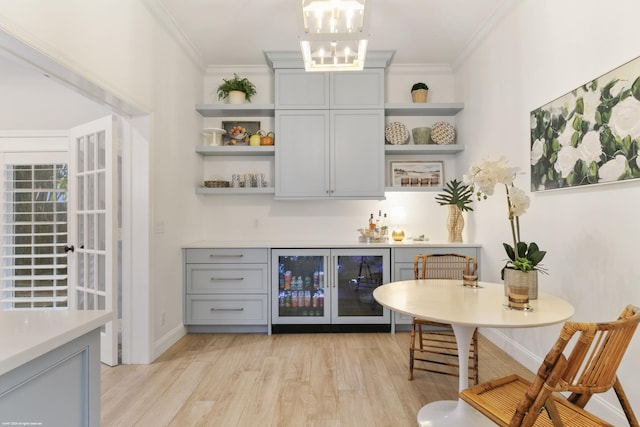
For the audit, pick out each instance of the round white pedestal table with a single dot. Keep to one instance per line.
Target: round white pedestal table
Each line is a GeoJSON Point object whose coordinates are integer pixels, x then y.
{"type": "Point", "coordinates": [465, 308]}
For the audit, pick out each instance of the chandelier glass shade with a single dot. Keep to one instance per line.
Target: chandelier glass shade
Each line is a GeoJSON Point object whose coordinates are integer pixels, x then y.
{"type": "Point", "coordinates": [334, 34]}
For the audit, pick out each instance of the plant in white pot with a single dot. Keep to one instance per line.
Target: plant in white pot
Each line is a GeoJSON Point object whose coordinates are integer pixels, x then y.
{"type": "Point", "coordinates": [419, 92]}
{"type": "Point", "coordinates": [523, 257]}
{"type": "Point", "coordinates": [236, 89]}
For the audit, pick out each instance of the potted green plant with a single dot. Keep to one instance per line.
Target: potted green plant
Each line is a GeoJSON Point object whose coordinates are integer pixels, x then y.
{"type": "Point", "coordinates": [236, 84]}
{"type": "Point", "coordinates": [458, 197]}
{"type": "Point", "coordinates": [419, 92]}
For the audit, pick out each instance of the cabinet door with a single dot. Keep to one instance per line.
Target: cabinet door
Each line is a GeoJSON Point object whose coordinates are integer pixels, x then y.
{"type": "Point", "coordinates": [302, 154]}
{"type": "Point", "coordinates": [300, 286]}
{"type": "Point", "coordinates": [355, 275]}
{"type": "Point", "coordinates": [357, 154]}
{"type": "Point", "coordinates": [359, 89]}
{"type": "Point", "coordinates": [301, 90]}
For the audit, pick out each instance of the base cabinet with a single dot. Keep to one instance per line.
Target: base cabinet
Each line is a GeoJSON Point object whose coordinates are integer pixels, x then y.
{"type": "Point", "coordinates": [329, 286]}
{"type": "Point", "coordinates": [403, 268]}
{"type": "Point", "coordinates": [226, 287]}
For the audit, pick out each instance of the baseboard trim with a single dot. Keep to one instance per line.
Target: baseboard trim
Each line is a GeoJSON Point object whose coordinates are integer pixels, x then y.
{"type": "Point", "coordinates": [167, 340]}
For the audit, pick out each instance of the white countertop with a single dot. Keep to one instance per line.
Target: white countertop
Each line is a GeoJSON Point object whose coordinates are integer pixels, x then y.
{"type": "Point", "coordinates": [26, 335]}
{"type": "Point", "coordinates": [312, 244]}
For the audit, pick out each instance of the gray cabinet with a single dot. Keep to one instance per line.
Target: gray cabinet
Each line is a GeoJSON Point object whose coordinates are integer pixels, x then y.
{"type": "Point", "coordinates": [298, 89]}
{"type": "Point", "coordinates": [402, 259]}
{"type": "Point", "coordinates": [226, 287]}
{"type": "Point", "coordinates": [329, 154]}
{"type": "Point", "coordinates": [330, 130]}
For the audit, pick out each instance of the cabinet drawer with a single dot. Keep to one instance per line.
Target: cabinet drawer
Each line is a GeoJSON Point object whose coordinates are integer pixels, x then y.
{"type": "Point", "coordinates": [408, 254]}
{"type": "Point", "coordinates": [227, 256]}
{"type": "Point", "coordinates": [226, 310]}
{"type": "Point", "coordinates": [226, 278]}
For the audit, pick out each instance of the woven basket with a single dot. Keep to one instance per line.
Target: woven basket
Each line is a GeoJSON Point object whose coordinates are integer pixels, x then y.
{"type": "Point", "coordinates": [216, 184]}
{"type": "Point", "coordinates": [419, 95]}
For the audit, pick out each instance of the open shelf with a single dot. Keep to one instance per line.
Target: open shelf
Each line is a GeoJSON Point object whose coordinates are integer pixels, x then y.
{"type": "Point", "coordinates": [241, 191]}
{"type": "Point", "coordinates": [236, 110]}
{"type": "Point", "coordinates": [424, 109]}
{"type": "Point", "coordinates": [423, 149]}
{"type": "Point", "coordinates": [235, 150]}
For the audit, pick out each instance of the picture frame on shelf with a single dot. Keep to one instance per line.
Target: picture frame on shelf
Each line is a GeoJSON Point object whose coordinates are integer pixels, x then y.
{"type": "Point", "coordinates": [417, 174]}
{"type": "Point", "coordinates": [250, 128]}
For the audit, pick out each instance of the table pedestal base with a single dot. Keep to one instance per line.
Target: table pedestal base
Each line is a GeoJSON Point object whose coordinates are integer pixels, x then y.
{"type": "Point", "coordinates": [451, 413]}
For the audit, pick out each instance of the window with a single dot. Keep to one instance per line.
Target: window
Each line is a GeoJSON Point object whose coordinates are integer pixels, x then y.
{"type": "Point", "coordinates": [34, 235]}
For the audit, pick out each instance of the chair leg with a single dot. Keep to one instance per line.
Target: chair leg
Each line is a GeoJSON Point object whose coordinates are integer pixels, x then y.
{"type": "Point", "coordinates": [412, 343]}
{"type": "Point", "coordinates": [624, 402]}
{"type": "Point", "coordinates": [476, 372]}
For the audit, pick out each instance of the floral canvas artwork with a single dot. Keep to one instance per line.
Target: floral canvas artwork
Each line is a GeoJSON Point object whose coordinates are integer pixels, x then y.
{"type": "Point", "coordinates": [590, 135]}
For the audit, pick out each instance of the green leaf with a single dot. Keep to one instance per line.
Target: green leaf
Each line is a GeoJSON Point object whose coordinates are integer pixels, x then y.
{"type": "Point", "coordinates": [579, 106]}
{"type": "Point", "coordinates": [635, 89]}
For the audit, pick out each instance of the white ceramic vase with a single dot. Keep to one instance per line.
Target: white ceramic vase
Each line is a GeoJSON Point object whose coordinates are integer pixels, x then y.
{"type": "Point", "coordinates": [237, 97]}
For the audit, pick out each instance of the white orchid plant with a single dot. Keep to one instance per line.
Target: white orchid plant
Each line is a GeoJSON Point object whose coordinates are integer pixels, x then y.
{"type": "Point", "coordinates": [483, 178]}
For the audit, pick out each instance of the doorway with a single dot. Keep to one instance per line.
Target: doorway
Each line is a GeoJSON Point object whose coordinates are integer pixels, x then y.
{"type": "Point", "coordinates": [76, 104]}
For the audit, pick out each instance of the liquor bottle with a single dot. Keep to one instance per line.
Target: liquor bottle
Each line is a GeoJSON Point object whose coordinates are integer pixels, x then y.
{"type": "Point", "coordinates": [372, 224]}
{"type": "Point", "coordinates": [385, 227]}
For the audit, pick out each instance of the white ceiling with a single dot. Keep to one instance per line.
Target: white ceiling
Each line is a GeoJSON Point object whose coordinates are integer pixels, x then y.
{"type": "Point", "coordinates": [237, 32]}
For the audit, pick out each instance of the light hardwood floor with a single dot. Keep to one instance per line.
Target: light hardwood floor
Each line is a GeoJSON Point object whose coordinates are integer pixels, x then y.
{"type": "Point", "coordinates": [338, 380]}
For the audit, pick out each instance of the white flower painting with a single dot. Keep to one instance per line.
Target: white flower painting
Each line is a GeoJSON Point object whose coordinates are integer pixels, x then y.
{"type": "Point", "coordinates": [590, 135]}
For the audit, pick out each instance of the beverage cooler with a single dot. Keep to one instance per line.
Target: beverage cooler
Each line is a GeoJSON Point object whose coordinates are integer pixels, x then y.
{"type": "Point", "coordinates": [328, 286]}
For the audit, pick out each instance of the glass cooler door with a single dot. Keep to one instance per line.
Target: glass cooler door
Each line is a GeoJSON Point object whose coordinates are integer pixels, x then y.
{"type": "Point", "coordinates": [299, 280]}
{"type": "Point", "coordinates": [357, 272]}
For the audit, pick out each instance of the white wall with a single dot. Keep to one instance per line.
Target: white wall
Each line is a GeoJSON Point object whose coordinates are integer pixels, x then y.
{"type": "Point", "coordinates": [542, 50]}
{"type": "Point", "coordinates": [120, 46]}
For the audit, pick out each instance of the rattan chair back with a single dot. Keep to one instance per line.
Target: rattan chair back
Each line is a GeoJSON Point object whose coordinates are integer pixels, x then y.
{"type": "Point", "coordinates": [444, 266]}
{"type": "Point", "coordinates": [590, 368]}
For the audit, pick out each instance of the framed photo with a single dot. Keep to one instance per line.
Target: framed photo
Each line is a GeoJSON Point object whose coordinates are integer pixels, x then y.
{"type": "Point", "coordinates": [249, 129]}
{"type": "Point", "coordinates": [590, 135]}
{"type": "Point", "coordinates": [417, 174]}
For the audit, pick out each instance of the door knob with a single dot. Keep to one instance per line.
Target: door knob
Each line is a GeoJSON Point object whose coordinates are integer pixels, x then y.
{"type": "Point", "coordinates": [68, 248]}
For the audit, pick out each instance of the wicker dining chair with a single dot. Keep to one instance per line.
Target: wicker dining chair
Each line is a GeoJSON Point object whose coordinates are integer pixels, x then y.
{"type": "Point", "coordinates": [590, 368]}
{"type": "Point", "coordinates": [433, 345]}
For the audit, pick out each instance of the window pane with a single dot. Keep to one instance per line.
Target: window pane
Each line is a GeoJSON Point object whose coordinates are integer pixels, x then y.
{"type": "Point", "coordinates": [35, 201]}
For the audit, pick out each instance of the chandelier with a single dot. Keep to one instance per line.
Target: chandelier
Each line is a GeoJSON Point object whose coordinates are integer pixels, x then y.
{"type": "Point", "coordinates": [334, 34]}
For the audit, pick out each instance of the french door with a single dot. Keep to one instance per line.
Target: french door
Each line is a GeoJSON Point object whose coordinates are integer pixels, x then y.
{"type": "Point", "coordinates": [93, 252]}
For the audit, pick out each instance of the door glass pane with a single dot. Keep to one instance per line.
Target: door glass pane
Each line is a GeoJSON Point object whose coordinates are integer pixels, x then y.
{"type": "Point", "coordinates": [101, 302]}
{"type": "Point", "coordinates": [80, 303]}
{"type": "Point", "coordinates": [80, 272]}
{"type": "Point", "coordinates": [91, 192]}
{"type": "Point", "coordinates": [80, 158]}
{"type": "Point", "coordinates": [91, 230]}
{"type": "Point", "coordinates": [101, 150]}
{"type": "Point", "coordinates": [81, 231]}
{"type": "Point", "coordinates": [101, 231]}
{"type": "Point", "coordinates": [101, 192]}
{"type": "Point", "coordinates": [91, 300]}
{"type": "Point", "coordinates": [80, 196]}
{"type": "Point", "coordinates": [301, 286]}
{"type": "Point", "coordinates": [91, 152]}
{"type": "Point", "coordinates": [357, 277]}
{"type": "Point", "coordinates": [102, 273]}
{"type": "Point", "coordinates": [91, 271]}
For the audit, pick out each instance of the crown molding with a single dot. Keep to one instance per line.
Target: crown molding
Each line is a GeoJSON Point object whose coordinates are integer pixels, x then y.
{"type": "Point", "coordinates": [488, 26]}
{"type": "Point", "coordinates": [159, 11]}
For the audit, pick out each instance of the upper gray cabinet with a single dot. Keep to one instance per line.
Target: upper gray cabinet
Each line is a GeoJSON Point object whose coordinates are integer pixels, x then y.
{"type": "Point", "coordinates": [330, 129]}
{"type": "Point", "coordinates": [297, 89]}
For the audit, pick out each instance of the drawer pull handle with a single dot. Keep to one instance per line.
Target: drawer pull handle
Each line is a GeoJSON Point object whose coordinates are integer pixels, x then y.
{"type": "Point", "coordinates": [226, 278]}
{"type": "Point", "coordinates": [226, 309]}
{"type": "Point", "coordinates": [225, 255]}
